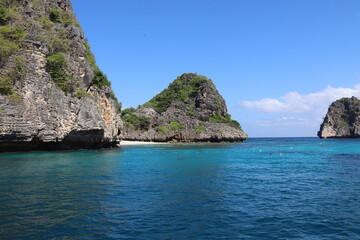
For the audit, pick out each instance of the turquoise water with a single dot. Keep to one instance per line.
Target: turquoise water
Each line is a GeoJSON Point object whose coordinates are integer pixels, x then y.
{"type": "Point", "coordinates": [301, 188]}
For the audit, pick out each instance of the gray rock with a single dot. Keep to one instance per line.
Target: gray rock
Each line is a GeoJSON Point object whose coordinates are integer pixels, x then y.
{"type": "Point", "coordinates": [191, 120]}
{"type": "Point", "coordinates": [39, 115]}
{"type": "Point", "coordinates": [342, 119]}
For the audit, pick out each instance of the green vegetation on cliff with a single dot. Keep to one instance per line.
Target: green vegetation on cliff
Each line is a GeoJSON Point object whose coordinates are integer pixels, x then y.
{"type": "Point", "coordinates": [10, 39]}
{"type": "Point", "coordinates": [227, 120]}
{"type": "Point", "coordinates": [100, 79]}
{"type": "Point", "coordinates": [58, 69]}
{"type": "Point", "coordinates": [48, 26]}
{"type": "Point", "coordinates": [14, 73]}
{"type": "Point", "coordinates": [189, 110]}
{"type": "Point", "coordinates": [133, 121]}
{"type": "Point", "coordinates": [170, 128]}
{"type": "Point", "coordinates": [54, 15]}
{"type": "Point", "coordinates": [182, 89]}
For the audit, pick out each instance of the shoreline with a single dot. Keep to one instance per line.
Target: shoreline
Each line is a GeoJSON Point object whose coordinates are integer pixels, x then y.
{"type": "Point", "coordinates": [125, 143]}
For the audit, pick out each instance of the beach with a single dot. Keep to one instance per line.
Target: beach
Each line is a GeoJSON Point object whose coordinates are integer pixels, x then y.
{"type": "Point", "coordinates": [122, 143]}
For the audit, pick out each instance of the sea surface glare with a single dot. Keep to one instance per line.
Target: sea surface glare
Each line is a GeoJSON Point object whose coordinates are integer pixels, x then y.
{"type": "Point", "coordinates": [280, 188]}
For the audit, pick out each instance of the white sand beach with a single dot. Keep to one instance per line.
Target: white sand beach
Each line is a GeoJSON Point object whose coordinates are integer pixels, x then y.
{"type": "Point", "coordinates": [123, 143]}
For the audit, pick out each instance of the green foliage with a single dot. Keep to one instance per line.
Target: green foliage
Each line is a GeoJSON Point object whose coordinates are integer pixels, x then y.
{"type": "Point", "coordinates": [15, 34]}
{"type": "Point", "coordinates": [67, 19]}
{"type": "Point", "coordinates": [173, 127]}
{"type": "Point", "coordinates": [6, 85]}
{"type": "Point", "coordinates": [191, 114]}
{"type": "Point", "coordinates": [9, 3]}
{"type": "Point", "coordinates": [10, 38]}
{"type": "Point", "coordinates": [13, 15]}
{"type": "Point", "coordinates": [11, 75]}
{"type": "Point", "coordinates": [345, 117]}
{"type": "Point", "coordinates": [227, 120]}
{"type": "Point", "coordinates": [118, 104]}
{"type": "Point", "coordinates": [128, 111]}
{"type": "Point", "coordinates": [200, 129]}
{"type": "Point", "coordinates": [7, 12]}
{"type": "Point", "coordinates": [191, 107]}
{"type": "Point", "coordinates": [14, 97]}
{"type": "Point", "coordinates": [161, 129]}
{"type": "Point", "coordinates": [20, 67]}
{"type": "Point", "coordinates": [57, 67]}
{"type": "Point", "coordinates": [36, 4]}
{"type": "Point", "coordinates": [218, 119]}
{"type": "Point", "coordinates": [100, 79]}
{"type": "Point", "coordinates": [169, 128]}
{"type": "Point", "coordinates": [54, 15]}
{"type": "Point", "coordinates": [90, 56]}
{"type": "Point", "coordinates": [80, 93]}
{"type": "Point", "coordinates": [7, 48]}
{"type": "Point", "coordinates": [201, 123]}
{"type": "Point", "coordinates": [47, 24]}
{"type": "Point", "coordinates": [182, 89]}
{"type": "Point", "coordinates": [59, 44]}
{"type": "Point", "coordinates": [61, 17]}
{"type": "Point", "coordinates": [55, 41]}
{"type": "Point", "coordinates": [3, 14]}
{"type": "Point", "coordinates": [141, 123]}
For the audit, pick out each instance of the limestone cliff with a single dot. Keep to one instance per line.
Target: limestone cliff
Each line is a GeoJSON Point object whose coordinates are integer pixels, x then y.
{"type": "Point", "coordinates": [52, 94]}
{"type": "Point", "coordinates": [342, 119]}
{"type": "Point", "coordinates": [189, 110]}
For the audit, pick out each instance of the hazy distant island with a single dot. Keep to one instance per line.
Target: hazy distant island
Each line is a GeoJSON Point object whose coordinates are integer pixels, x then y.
{"type": "Point", "coordinates": [342, 119]}
{"type": "Point", "coordinates": [189, 110]}
{"type": "Point", "coordinates": [54, 96]}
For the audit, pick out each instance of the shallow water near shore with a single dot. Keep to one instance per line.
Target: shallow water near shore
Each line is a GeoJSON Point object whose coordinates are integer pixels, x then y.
{"type": "Point", "coordinates": [269, 188]}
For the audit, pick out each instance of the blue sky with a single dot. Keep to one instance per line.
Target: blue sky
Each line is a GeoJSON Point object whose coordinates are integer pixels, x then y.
{"type": "Point", "coordinates": [278, 64]}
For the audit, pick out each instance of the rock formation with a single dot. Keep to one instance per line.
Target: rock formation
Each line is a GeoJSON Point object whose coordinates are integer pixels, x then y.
{"type": "Point", "coordinates": [342, 119]}
{"type": "Point", "coordinates": [52, 94]}
{"type": "Point", "coordinates": [189, 110]}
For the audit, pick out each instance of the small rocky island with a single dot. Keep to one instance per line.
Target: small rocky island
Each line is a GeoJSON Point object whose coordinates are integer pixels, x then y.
{"type": "Point", "coordinates": [52, 94]}
{"type": "Point", "coordinates": [342, 119]}
{"type": "Point", "coordinates": [189, 110]}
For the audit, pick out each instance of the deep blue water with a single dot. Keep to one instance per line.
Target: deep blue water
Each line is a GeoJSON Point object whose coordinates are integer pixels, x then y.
{"type": "Point", "coordinates": [295, 188]}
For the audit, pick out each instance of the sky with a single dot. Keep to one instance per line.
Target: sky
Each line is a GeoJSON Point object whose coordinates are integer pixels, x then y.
{"type": "Point", "coordinates": [279, 64]}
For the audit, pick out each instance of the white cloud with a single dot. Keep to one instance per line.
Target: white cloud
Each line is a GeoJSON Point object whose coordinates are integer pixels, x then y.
{"type": "Point", "coordinates": [293, 102]}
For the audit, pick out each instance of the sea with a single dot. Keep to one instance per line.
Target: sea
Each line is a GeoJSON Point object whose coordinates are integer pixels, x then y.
{"type": "Point", "coordinates": [264, 188]}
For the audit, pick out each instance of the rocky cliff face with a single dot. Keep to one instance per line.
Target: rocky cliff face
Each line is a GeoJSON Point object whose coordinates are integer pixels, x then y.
{"type": "Point", "coordinates": [52, 94]}
{"type": "Point", "coordinates": [342, 119]}
{"type": "Point", "coordinates": [189, 110]}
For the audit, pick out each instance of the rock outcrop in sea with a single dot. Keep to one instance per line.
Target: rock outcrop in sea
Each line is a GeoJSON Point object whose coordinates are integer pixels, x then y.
{"type": "Point", "coordinates": [189, 110]}
{"type": "Point", "coordinates": [52, 94]}
{"type": "Point", "coordinates": [342, 119]}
